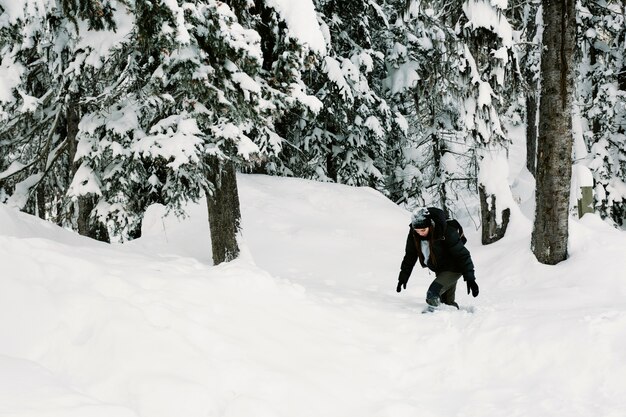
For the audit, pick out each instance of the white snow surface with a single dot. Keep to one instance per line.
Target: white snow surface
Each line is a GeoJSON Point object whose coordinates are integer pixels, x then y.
{"type": "Point", "coordinates": [307, 322]}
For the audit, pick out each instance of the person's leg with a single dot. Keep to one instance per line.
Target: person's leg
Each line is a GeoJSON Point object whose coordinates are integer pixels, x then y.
{"type": "Point", "coordinates": [443, 288]}
{"type": "Point", "coordinates": [448, 297]}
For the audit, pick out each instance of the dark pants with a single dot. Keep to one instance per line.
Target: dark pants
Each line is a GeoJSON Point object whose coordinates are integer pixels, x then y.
{"type": "Point", "coordinates": [444, 287]}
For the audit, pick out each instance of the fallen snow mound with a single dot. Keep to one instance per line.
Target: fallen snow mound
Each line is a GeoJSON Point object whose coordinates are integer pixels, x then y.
{"type": "Point", "coordinates": [307, 322]}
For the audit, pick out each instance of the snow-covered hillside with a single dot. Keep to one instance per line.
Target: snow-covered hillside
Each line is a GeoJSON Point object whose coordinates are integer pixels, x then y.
{"type": "Point", "coordinates": [307, 322]}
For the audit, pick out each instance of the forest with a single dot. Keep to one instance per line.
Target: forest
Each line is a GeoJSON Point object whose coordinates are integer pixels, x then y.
{"type": "Point", "coordinates": [110, 106]}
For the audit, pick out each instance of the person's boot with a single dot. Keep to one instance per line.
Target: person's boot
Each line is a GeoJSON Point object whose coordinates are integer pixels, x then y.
{"type": "Point", "coordinates": [432, 295]}
{"type": "Point", "coordinates": [433, 301]}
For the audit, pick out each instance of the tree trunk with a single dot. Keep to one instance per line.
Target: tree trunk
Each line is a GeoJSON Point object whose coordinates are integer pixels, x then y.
{"type": "Point", "coordinates": [532, 96]}
{"type": "Point", "coordinates": [439, 149]}
{"type": "Point", "coordinates": [491, 230]}
{"type": "Point", "coordinates": [554, 167]}
{"type": "Point", "coordinates": [392, 185]}
{"type": "Point", "coordinates": [86, 226]}
{"type": "Point", "coordinates": [331, 167]}
{"type": "Point", "coordinates": [621, 77]}
{"type": "Point", "coordinates": [268, 41]}
{"type": "Point", "coordinates": [593, 60]}
{"type": "Point", "coordinates": [86, 203]}
{"type": "Point", "coordinates": [224, 211]}
{"type": "Point", "coordinates": [40, 192]}
{"type": "Point", "coordinates": [439, 174]}
{"type": "Point", "coordinates": [531, 131]}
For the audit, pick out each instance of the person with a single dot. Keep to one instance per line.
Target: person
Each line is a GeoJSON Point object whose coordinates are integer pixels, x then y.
{"type": "Point", "coordinates": [440, 248]}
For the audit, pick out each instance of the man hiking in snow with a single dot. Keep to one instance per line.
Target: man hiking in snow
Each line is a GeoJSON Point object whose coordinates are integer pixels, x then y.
{"type": "Point", "coordinates": [439, 247]}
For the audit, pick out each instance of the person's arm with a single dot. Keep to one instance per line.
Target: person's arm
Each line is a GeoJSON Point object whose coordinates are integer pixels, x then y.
{"type": "Point", "coordinates": [408, 262]}
{"type": "Point", "coordinates": [462, 255]}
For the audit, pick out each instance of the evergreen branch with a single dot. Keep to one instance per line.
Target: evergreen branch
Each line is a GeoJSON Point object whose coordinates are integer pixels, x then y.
{"type": "Point", "coordinates": [22, 169]}
{"type": "Point", "coordinates": [459, 154]}
{"type": "Point", "coordinates": [462, 179]}
{"type": "Point", "coordinates": [57, 153]}
{"type": "Point", "coordinates": [42, 152]}
{"type": "Point", "coordinates": [601, 7]}
{"type": "Point", "coordinates": [114, 88]}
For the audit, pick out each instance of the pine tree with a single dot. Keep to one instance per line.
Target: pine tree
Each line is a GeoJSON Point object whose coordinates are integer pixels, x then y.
{"type": "Point", "coordinates": [423, 84]}
{"type": "Point", "coordinates": [287, 99]}
{"type": "Point", "coordinates": [187, 101]}
{"type": "Point", "coordinates": [602, 93]}
{"type": "Point", "coordinates": [447, 67]}
{"type": "Point", "coordinates": [490, 60]}
{"type": "Point", "coordinates": [346, 140]}
{"type": "Point", "coordinates": [46, 49]}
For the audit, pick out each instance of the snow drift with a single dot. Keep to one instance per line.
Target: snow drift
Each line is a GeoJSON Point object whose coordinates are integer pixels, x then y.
{"type": "Point", "coordinates": [307, 322]}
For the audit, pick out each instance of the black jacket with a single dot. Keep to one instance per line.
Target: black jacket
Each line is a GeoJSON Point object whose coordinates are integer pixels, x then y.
{"type": "Point", "coordinates": [450, 254]}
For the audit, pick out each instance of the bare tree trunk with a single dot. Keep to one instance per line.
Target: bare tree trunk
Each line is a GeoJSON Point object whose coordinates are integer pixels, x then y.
{"type": "Point", "coordinates": [593, 60]}
{"type": "Point", "coordinates": [84, 208]}
{"type": "Point", "coordinates": [224, 211]}
{"type": "Point", "coordinates": [532, 95]}
{"type": "Point", "coordinates": [554, 166]}
{"type": "Point", "coordinates": [621, 77]}
{"type": "Point", "coordinates": [441, 183]}
{"type": "Point", "coordinates": [491, 230]}
{"type": "Point", "coordinates": [438, 151]}
{"type": "Point", "coordinates": [40, 192]}
{"type": "Point", "coordinates": [331, 167]}
{"type": "Point", "coordinates": [392, 185]}
{"type": "Point", "coordinates": [86, 204]}
{"type": "Point", "coordinates": [531, 131]}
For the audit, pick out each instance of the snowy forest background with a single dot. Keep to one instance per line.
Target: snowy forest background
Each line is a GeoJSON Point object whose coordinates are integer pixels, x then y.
{"type": "Point", "coordinates": [110, 106]}
{"type": "Point", "coordinates": [114, 112]}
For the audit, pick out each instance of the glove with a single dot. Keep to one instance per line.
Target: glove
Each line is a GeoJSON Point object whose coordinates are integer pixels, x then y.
{"type": "Point", "coordinates": [473, 287]}
{"type": "Point", "coordinates": [402, 280]}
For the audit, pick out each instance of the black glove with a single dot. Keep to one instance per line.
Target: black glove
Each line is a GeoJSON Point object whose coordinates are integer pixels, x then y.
{"type": "Point", "coordinates": [402, 280]}
{"type": "Point", "coordinates": [473, 287]}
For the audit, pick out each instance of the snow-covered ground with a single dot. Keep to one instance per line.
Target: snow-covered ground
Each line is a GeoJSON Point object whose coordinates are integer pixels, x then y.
{"type": "Point", "coordinates": [307, 322]}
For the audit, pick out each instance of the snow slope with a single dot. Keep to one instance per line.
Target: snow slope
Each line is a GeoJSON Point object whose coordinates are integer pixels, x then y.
{"type": "Point", "coordinates": [307, 322]}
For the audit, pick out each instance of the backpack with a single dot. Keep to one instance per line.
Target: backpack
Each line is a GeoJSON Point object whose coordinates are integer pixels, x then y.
{"type": "Point", "coordinates": [457, 226]}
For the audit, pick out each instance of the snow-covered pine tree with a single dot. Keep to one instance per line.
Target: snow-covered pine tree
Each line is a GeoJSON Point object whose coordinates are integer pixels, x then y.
{"type": "Point", "coordinates": [453, 69]}
{"type": "Point", "coordinates": [421, 83]}
{"type": "Point", "coordinates": [601, 88]}
{"type": "Point", "coordinates": [179, 122]}
{"type": "Point", "coordinates": [444, 54]}
{"type": "Point", "coordinates": [286, 97]}
{"type": "Point", "coordinates": [50, 54]}
{"type": "Point", "coordinates": [490, 71]}
{"type": "Point", "coordinates": [346, 141]}
{"type": "Point", "coordinates": [187, 104]}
